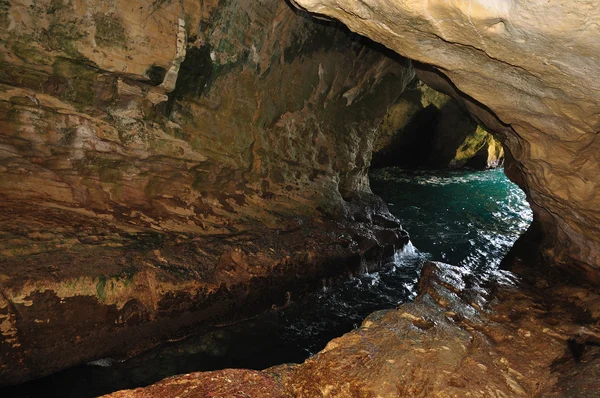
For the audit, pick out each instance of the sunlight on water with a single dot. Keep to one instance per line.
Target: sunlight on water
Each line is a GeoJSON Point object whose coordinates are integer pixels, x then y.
{"type": "Point", "coordinates": [461, 217]}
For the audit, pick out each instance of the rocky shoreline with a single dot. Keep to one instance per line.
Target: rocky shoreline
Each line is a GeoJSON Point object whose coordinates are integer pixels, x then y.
{"type": "Point", "coordinates": [462, 336]}
{"type": "Point", "coordinates": [117, 300]}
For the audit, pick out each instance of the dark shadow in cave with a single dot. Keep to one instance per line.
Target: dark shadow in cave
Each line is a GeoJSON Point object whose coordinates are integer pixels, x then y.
{"type": "Point", "coordinates": [462, 217]}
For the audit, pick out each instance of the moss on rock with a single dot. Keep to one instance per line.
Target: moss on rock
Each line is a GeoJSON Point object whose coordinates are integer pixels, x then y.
{"type": "Point", "coordinates": [109, 31]}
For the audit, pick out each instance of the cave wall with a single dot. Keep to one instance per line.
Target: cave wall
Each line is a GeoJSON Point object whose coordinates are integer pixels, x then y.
{"type": "Point", "coordinates": [167, 166]}
{"type": "Point", "coordinates": [186, 112]}
{"type": "Point", "coordinates": [528, 71]}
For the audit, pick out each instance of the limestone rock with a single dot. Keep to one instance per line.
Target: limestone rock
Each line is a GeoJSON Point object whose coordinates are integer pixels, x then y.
{"type": "Point", "coordinates": [479, 150]}
{"type": "Point", "coordinates": [526, 69]}
{"type": "Point", "coordinates": [447, 343]}
{"type": "Point", "coordinates": [224, 383]}
{"type": "Point", "coordinates": [170, 165]}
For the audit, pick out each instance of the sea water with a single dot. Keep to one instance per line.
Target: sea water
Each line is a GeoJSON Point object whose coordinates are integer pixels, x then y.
{"type": "Point", "coordinates": [465, 218]}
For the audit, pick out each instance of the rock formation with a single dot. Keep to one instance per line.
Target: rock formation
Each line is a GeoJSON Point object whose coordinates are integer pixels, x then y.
{"type": "Point", "coordinates": [170, 165]}
{"type": "Point", "coordinates": [166, 166]}
{"type": "Point", "coordinates": [458, 339]}
{"type": "Point", "coordinates": [528, 71]}
{"type": "Point", "coordinates": [427, 129]}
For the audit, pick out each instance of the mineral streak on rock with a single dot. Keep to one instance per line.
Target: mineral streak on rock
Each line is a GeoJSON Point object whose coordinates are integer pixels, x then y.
{"type": "Point", "coordinates": [166, 166]}
{"type": "Point", "coordinates": [528, 71]}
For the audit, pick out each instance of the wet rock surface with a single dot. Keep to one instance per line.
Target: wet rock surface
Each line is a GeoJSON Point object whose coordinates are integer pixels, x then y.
{"type": "Point", "coordinates": [61, 313]}
{"type": "Point", "coordinates": [528, 71]}
{"type": "Point", "coordinates": [223, 383]}
{"type": "Point", "coordinates": [170, 164]}
{"type": "Point", "coordinates": [463, 336]}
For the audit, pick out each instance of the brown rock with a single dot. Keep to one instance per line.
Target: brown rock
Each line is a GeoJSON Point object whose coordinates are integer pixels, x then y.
{"type": "Point", "coordinates": [528, 71]}
{"type": "Point", "coordinates": [463, 336]}
{"type": "Point", "coordinates": [222, 383]}
{"type": "Point", "coordinates": [166, 166]}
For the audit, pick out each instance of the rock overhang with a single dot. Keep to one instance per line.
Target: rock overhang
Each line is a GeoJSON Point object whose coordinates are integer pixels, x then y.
{"type": "Point", "coordinates": [533, 67]}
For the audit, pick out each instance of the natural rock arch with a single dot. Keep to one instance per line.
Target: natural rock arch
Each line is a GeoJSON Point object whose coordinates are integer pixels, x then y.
{"type": "Point", "coordinates": [528, 70]}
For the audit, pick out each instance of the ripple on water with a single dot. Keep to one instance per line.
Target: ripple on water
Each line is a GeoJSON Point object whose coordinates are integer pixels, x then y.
{"type": "Point", "coordinates": [466, 218]}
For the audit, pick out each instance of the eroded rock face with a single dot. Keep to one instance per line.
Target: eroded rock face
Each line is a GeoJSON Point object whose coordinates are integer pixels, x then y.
{"type": "Point", "coordinates": [464, 335]}
{"type": "Point", "coordinates": [170, 164]}
{"type": "Point", "coordinates": [427, 129]}
{"type": "Point", "coordinates": [254, 115]}
{"type": "Point", "coordinates": [528, 70]}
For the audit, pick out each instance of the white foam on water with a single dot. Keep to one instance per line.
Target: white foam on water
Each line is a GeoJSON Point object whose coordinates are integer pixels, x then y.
{"type": "Point", "coordinates": [407, 251]}
{"type": "Point", "coordinates": [104, 362]}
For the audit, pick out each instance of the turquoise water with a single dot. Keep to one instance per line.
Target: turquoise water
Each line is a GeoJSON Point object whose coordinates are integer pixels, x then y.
{"type": "Point", "coordinates": [467, 218]}
{"type": "Point", "coordinates": [461, 217]}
